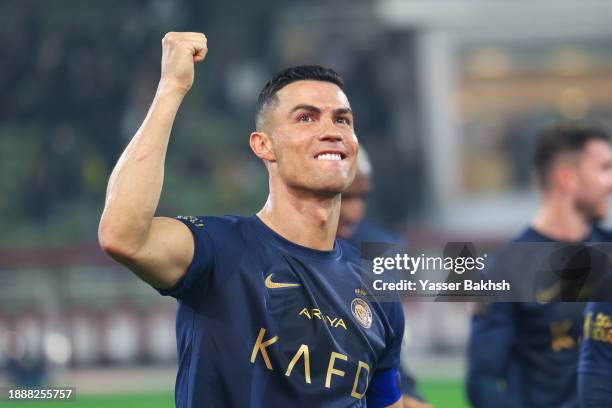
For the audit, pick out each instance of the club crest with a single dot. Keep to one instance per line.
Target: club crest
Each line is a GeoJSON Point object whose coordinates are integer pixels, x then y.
{"type": "Point", "coordinates": [362, 312]}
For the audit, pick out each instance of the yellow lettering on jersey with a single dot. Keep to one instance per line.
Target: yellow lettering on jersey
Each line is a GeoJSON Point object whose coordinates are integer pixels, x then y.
{"type": "Point", "coordinates": [586, 327]}
{"type": "Point", "coordinates": [330, 368]}
{"type": "Point", "coordinates": [261, 345]}
{"type": "Point", "coordinates": [561, 339]}
{"type": "Point", "coordinates": [603, 321]}
{"type": "Point", "coordinates": [354, 393]}
{"type": "Point", "coordinates": [327, 319]}
{"type": "Point", "coordinates": [303, 350]}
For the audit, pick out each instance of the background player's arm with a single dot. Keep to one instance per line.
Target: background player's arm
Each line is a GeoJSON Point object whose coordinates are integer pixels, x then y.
{"type": "Point", "coordinates": [411, 402]}
{"type": "Point", "coordinates": [410, 396]}
{"type": "Point", "coordinates": [158, 250]}
{"type": "Point", "coordinates": [491, 338]}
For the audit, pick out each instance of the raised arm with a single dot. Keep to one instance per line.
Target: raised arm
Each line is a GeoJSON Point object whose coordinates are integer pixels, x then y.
{"type": "Point", "coordinates": [157, 249]}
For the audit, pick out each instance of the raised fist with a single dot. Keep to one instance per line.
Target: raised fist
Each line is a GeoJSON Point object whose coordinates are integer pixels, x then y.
{"type": "Point", "coordinates": [180, 51]}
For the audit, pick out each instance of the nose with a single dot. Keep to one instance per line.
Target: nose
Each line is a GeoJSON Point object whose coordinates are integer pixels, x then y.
{"type": "Point", "coordinates": [330, 132]}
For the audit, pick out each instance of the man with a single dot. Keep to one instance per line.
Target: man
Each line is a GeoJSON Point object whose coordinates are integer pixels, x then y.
{"type": "Point", "coordinates": [271, 311]}
{"type": "Point", "coordinates": [595, 365]}
{"type": "Point", "coordinates": [355, 230]}
{"type": "Point", "coordinates": [525, 354]}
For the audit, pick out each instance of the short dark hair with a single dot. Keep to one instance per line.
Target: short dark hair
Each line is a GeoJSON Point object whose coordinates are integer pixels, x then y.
{"type": "Point", "coordinates": [561, 139]}
{"type": "Point", "coordinates": [290, 75]}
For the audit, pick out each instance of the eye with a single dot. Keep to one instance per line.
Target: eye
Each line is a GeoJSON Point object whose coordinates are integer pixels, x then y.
{"type": "Point", "coordinates": [305, 117]}
{"type": "Point", "coordinates": [343, 120]}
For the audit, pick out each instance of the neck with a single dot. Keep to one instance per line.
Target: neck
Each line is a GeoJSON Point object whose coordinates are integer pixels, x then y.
{"type": "Point", "coordinates": [559, 219]}
{"type": "Point", "coordinates": [304, 218]}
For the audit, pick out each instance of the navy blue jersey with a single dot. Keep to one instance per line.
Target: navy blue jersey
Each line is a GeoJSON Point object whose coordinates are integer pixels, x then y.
{"type": "Point", "coordinates": [367, 232]}
{"type": "Point", "coordinates": [594, 391]}
{"type": "Point", "coordinates": [596, 346]}
{"type": "Point", "coordinates": [595, 365]}
{"type": "Point", "coordinates": [264, 322]}
{"type": "Point", "coordinates": [526, 354]}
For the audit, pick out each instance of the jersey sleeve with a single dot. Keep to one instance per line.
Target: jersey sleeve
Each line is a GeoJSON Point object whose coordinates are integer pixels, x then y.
{"type": "Point", "coordinates": [395, 334]}
{"type": "Point", "coordinates": [203, 258]}
{"type": "Point", "coordinates": [384, 388]}
{"type": "Point", "coordinates": [492, 336]}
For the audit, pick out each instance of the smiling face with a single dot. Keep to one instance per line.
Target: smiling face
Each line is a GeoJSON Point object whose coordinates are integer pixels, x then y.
{"type": "Point", "coordinates": [311, 142]}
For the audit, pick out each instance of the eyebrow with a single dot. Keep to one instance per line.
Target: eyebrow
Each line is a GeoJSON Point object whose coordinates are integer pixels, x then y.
{"type": "Point", "coordinates": [312, 108]}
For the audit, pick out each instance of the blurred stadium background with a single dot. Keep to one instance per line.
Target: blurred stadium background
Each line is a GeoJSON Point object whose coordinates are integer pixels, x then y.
{"type": "Point", "coordinates": [448, 95]}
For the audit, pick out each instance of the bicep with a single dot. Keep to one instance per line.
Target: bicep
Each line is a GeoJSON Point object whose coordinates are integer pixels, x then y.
{"type": "Point", "coordinates": [491, 340]}
{"type": "Point", "coordinates": [492, 336]}
{"type": "Point", "coordinates": [166, 254]}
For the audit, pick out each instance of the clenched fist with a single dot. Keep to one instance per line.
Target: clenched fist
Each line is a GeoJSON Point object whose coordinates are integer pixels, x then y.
{"type": "Point", "coordinates": [180, 51]}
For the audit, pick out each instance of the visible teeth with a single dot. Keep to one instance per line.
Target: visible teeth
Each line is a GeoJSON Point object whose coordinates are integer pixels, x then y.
{"type": "Point", "coordinates": [329, 156]}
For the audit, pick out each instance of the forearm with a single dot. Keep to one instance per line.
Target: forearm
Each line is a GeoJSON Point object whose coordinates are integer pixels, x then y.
{"type": "Point", "coordinates": [135, 185]}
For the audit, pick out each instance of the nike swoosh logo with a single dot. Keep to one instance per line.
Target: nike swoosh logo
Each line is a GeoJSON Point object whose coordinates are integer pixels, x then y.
{"type": "Point", "coordinates": [278, 285]}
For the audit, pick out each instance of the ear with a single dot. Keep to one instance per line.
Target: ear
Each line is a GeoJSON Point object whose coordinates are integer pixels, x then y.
{"type": "Point", "coordinates": [565, 176]}
{"type": "Point", "coordinates": [261, 144]}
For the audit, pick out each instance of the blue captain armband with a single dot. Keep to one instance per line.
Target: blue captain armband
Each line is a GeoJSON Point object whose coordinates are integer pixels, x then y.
{"type": "Point", "coordinates": [384, 389]}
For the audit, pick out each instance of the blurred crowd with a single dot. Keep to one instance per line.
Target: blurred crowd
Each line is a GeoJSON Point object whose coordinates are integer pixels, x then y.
{"type": "Point", "coordinates": [75, 84]}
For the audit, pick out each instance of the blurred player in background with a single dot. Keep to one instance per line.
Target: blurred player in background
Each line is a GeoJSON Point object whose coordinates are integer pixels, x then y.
{"type": "Point", "coordinates": [353, 228]}
{"type": "Point", "coordinates": [526, 354]}
{"type": "Point", "coordinates": [26, 363]}
{"type": "Point", "coordinates": [595, 365]}
{"type": "Point", "coordinates": [270, 307]}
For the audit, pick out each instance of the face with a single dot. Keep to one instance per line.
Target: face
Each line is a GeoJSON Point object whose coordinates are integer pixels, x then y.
{"type": "Point", "coordinates": [594, 176]}
{"type": "Point", "coordinates": [353, 205]}
{"type": "Point", "coordinates": [312, 138]}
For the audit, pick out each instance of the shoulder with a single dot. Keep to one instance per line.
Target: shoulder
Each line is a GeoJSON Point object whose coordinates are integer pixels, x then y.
{"type": "Point", "coordinates": [218, 231]}
{"type": "Point", "coordinates": [212, 223]}
{"type": "Point", "coordinates": [367, 232]}
{"type": "Point", "coordinates": [528, 234]}
{"type": "Point", "coordinates": [389, 304]}
{"type": "Point", "coordinates": [349, 251]}
{"type": "Point", "coordinates": [596, 307]}
{"type": "Point", "coordinates": [394, 310]}
{"type": "Point", "coordinates": [517, 254]}
{"type": "Point", "coordinates": [601, 234]}
{"type": "Point", "coordinates": [199, 220]}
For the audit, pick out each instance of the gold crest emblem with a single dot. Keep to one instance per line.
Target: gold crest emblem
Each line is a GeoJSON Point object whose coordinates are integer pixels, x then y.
{"type": "Point", "coordinates": [361, 311]}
